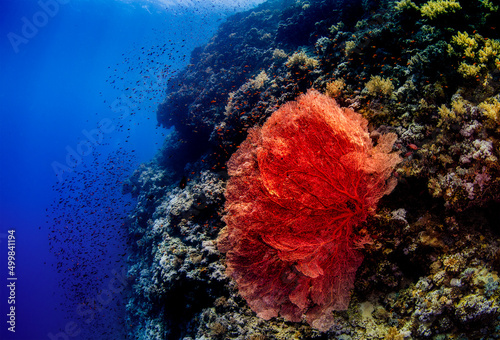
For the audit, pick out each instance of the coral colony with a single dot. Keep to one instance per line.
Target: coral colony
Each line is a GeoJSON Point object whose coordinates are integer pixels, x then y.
{"type": "Point", "coordinates": [273, 212]}
{"type": "Point", "coordinates": [299, 188]}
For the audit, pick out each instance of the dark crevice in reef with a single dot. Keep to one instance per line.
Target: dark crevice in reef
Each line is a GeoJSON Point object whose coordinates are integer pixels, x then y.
{"type": "Point", "coordinates": [193, 296]}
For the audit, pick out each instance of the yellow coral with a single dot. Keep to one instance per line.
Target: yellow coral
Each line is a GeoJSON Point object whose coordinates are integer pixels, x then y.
{"type": "Point", "coordinates": [334, 88]}
{"type": "Point", "coordinates": [469, 71]}
{"type": "Point", "coordinates": [405, 4]}
{"type": "Point", "coordinates": [458, 106]}
{"type": "Point", "coordinates": [491, 109]}
{"type": "Point", "coordinates": [488, 5]}
{"type": "Point", "coordinates": [393, 334]}
{"type": "Point", "coordinates": [458, 110]}
{"type": "Point", "coordinates": [446, 115]}
{"type": "Point", "coordinates": [433, 9]}
{"type": "Point", "coordinates": [336, 28]}
{"type": "Point", "coordinates": [490, 50]}
{"type": "Point", "coordinates": [478, 55]}
{"type": "Point", "coordinates": [302, 60]}
{"type": "Point", "coordinates": [279, 54]}
{"type": "Point", "coordinates": [255, 83]}
{"type": "Point", "coordinates": [378, 85]}
{"type": "Point", "coordinates": [464, 40]}
{"type": "Point", "coordinates": [259, 80]}
{"type": "Point", "coordinates": [350, 46]}
{"type": "Point", "coordinates": [434, 187]}
{"type": "Point", "coordinates": [230, 103]}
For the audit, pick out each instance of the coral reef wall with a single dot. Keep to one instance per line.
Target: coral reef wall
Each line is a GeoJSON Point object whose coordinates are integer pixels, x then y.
{"type": "Point", "coordinates": [425, 71]}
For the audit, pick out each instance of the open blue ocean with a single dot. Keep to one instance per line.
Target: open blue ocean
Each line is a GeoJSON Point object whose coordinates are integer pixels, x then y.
{"type": "Point", "coordinates": [79, 86]}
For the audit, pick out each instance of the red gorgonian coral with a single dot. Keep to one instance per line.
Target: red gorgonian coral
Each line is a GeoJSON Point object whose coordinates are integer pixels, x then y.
{"type": "Point", "coordinates": [298, 187]}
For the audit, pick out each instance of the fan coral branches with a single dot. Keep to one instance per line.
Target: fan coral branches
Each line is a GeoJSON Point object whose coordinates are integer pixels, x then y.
{"type": "Point", "coordinates": [298, 187]}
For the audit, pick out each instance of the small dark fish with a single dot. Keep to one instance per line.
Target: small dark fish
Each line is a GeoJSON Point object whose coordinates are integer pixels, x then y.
{"type": "Point", "coordinates": [183, 182]}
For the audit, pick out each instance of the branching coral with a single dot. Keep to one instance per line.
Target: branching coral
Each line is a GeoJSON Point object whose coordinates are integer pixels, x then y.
{"type": "Point", "coordinates": [299, 187]}
{"type": "Point", "coordinates": [491, 109]}
{"type": "Point", "coordinates": [477, 54]}
{"type": "Point", "coordinates": [464, 158]}
{"type": "Point", "coordinates": [379, 86]}
{"type": "Point", "coordinates": [405, 5]}
{"type": "Point", "coordinates": [302, 60]}
{"type": "Point", "coordinates": [334, 88]}
{"type": "Point", "coordinates": [433, 9]}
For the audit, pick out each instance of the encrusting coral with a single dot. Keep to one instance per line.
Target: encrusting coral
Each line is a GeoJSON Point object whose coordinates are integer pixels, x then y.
{"type": "Point", "coordinates": [299, 187]}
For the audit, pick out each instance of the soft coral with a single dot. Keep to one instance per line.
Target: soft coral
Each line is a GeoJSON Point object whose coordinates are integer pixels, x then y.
{"type": "Point", "coordinates": [299, 186]}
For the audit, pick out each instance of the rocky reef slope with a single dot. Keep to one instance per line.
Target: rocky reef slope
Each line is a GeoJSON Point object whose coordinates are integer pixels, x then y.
{"type": "Point", "coordinates": [427, 71]}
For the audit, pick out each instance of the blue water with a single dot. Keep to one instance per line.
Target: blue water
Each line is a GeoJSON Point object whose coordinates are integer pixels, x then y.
{"type": "Point", "coordinates": [79, 85]}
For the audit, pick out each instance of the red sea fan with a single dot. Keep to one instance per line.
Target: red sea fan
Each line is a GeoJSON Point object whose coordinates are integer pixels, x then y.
{"type": "Point", "coordinates": [298, 187]}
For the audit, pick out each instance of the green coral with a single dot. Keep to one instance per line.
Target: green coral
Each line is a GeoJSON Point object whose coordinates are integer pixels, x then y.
{"type": "Point", "coordinates": [336, 28]}
{"type": "Point", "coordinates": [466, 43]}
{"type": "Point", "coordinates": [405, 5]}
{"type": "Point", "coordinates": [433, 9]}
{"type": "Point", "coordinates": [489, 5]}
{"type": "Point", "coordinates": [479, 56]}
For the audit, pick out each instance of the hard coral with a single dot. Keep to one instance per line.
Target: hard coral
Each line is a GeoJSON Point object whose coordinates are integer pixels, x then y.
{"type": "Point", "coordinates": [299, 187]}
